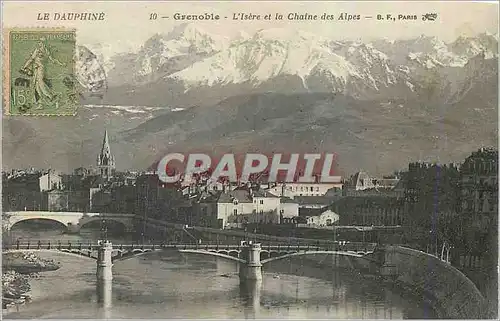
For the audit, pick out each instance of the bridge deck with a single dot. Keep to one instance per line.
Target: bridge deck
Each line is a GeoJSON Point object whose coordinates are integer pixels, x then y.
{"type": "Point", "coordinates": [93, 246]}
{"type": "Point", "coordinates": [235, 252]}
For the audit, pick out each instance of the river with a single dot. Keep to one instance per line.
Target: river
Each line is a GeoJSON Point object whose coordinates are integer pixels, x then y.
{"type": "Point", "coordinates": [173, 285]}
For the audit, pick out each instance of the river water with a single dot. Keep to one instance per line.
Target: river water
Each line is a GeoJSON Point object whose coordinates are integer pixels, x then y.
{"type": "Point", "coordinates": [173, 285]}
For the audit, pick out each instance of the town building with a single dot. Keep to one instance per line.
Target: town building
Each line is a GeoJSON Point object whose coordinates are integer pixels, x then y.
{"type": "Point", "coordinates": [123, 199]}
{"type": "Point", "coordinates": [314, 205]}
{"type": "Point", "coordinates": [194, 189]}
{"type": "Point", "coordinates": [384, 209]}
{"type": "Point", "coordinates": [431, 192]}
{"type": "Point", "coordinates": [50, 181]}
{"type": "Point", "coordinates": [28, 190]}
{"type": "Point", "coordinates": [327, 218]}
{"type": "Point", "coordinates": [292, 190]}
{"type": "Point", "coordinates": [477, 230]}
{"type": "Point", "coordinates": [234, 209]}
{"type": "Point", "coordinates": [154, 199]}
{"type": "Point", "coordinates": [79, 200]}
{"type": "Point", "coordinates": [361, 184]}
{"type": "Point", "coordinates": [56, 200]}
{"type": "Point", "coordinates": [289, 208]}
{"type": "Point", "coordinates": [479, 184]}
{"type": "Point", "coordinates": [360, 181]}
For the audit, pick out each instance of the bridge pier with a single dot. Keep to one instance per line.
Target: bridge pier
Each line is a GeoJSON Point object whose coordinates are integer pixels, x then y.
{"type": "Point", "coordinates": [250, 293]}
{"type": "Point", "coordinates": [73, 228]}
{"type": "Point", "coordinates": [104, 263]}
{"type": "Point", "coordinates": [104, 293]}
{"type": "Point", "coordinates": [252, 269]}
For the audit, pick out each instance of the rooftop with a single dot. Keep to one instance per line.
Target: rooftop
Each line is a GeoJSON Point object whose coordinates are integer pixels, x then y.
{"type": "Point", "coordinates": [262, 193]}
{"type": "Point", "coordinates": [316, 200]}
{"type": "Point", "coordinates": [243, 196]}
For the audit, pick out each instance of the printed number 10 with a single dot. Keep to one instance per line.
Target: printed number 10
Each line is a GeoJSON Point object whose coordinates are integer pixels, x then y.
{"type": "Point", "coordinates": [153, 16]}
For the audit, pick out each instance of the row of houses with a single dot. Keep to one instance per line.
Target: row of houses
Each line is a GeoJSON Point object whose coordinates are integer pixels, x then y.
{"type": "Point", "coordinates": [311, 204]}
{"type": "Point", "coordinates": [360, 201]}
{"type": "Point", "coordinates": [52, 191]}
{"type": "Point", "coordinates": [416, 196]}
{"type": "Point", "coordinates": [236, 206]}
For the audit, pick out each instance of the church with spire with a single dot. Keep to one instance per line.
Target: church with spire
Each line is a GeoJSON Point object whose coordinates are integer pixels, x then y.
{"type": "Point", "coordinates": [105, 160]}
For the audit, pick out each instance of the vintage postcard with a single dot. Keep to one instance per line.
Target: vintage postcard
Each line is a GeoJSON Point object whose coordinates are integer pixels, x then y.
{"type": "Point", "coordinates": [249, 160]}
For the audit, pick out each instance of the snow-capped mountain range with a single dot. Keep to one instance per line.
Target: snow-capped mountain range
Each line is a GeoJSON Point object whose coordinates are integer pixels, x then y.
{"type": "Point", "coordinates": [192, 58]}
{"type": "Point", "coordinates": [277, 90]}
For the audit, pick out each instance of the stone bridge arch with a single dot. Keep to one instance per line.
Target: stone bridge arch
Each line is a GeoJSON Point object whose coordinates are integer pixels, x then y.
{"type": "Point", "coordinates": [71, 220]}
{"type": "Point", "coordinates": [124, 222]}
{"type": "Point", "coordinates": [12, 224]}
{"type": "Point", "coordinates": [10, 219]}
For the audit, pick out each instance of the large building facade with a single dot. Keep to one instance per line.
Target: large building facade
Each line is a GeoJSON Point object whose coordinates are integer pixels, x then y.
{"type": "Point", "coordinates": [478, 227]}
{"type": "Point", "coordinates": [432, 192]}
{"type": "Point", "coordinates": [479, 185]}
{"type": "Point", "coordinates": [384, 209]}
{"type": "Point", "coordinates": [292, 190]}
{"type": "Point", "coordinates": [232, 209]}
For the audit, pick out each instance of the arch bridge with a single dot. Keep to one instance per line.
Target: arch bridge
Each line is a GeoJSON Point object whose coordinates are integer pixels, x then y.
{"type": "Point", "coordinates": [251, 256]}
{"type": "Point", "coordinates": [73, 221]}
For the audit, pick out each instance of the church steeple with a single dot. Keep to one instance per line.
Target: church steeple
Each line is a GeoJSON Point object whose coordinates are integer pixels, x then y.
{"type": "Point", "coordinates": [105, 150]}
{"type": "Point", "coordinates": [105, 160]}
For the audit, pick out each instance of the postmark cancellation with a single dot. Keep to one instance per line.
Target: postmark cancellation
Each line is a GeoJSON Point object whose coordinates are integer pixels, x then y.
{"type": "Point", "coordinates": [39, 72]}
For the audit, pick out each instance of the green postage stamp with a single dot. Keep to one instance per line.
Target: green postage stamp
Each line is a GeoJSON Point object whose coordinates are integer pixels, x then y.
{"type": "Point", "coordinates": [39, 72]}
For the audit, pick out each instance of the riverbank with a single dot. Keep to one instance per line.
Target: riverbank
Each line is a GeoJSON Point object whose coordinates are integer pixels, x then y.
{"type": "Point", "coordinates": [15, 289]}
{"type": "Point", "coordinates": [27, 262]}
{"type": "Point", "coordinates": [327, 267]}
{"type": "Point", "coordinates": [487, 283]}
{"type": "Point", "coordinates": [17, 270]}
{"type": "Point", "coordinates": [450, 292]}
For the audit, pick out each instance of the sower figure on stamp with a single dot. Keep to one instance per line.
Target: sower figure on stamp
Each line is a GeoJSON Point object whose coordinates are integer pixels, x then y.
{"type": "Point", "coordinates": [37, 62]}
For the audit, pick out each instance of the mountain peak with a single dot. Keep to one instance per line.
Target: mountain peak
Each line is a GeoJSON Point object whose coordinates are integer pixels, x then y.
{"type": "Point", "coordinates": [485, 44]}
{"type": "Point", "coordinates": [283, 34]}
{"type": "Point", "coordinates": [489, 34]}
{"type": "Point", "coordinates": [184, 39]}
{"type": "Point", "coordinates": [193, 58]}
{"type": "Point", "coordinates": [241, 36]}
{"type": "Point", "coordinates": [188, 30]}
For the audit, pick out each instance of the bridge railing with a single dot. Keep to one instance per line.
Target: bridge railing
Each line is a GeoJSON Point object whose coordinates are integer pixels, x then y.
{"type": "Point", "coordinates": [93, 245]}
{"type": "Point", "coordinates": [50, 244]}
